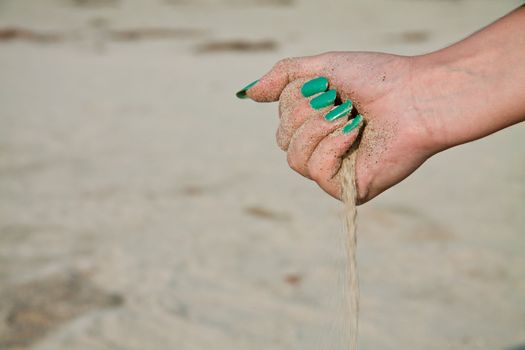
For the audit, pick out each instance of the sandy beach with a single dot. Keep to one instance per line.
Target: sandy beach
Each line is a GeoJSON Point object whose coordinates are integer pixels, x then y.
{"type": "Point", "coordinates": [142, 206]}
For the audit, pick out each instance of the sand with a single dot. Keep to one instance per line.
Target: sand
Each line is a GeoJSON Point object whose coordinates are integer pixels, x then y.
{"type": "Point", "coordinates": [349, 198]}
{"type": "Point", "coordinates": [126, 161]}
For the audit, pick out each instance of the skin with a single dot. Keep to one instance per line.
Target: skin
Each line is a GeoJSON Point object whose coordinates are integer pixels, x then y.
{"type": "Point", "coordinates": [413, 107]}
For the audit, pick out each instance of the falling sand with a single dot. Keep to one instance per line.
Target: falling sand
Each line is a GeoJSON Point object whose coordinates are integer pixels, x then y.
{"type": "Point", "coordinates": [351, 281]}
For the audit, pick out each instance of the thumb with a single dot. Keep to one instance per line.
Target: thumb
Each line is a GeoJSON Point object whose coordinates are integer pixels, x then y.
{"type": "Point", "coordinates": [270, 86]}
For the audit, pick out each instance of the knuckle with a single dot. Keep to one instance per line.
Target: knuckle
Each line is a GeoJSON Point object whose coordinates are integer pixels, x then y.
{"type": "Point", "coordinates": [363, 191]}
{"type": "Point", "coordinates": [293, 163]}
{"type": "Point", "coordinates": [299, 114]}
{"type": "Point", "coordinates": [287, 108]}
{"type": "Point", "coordinates": [286, 64]}
{"type": "Point", "coordinates": [333, 189]}
{"type": "Point", "coordinates": [281, 139]}
{"type": "Point", "coordinates": [283, 63]}
{"type": "Point", "coordinates": [316, 173]}
{"type": "Point", "coordinates": [293, 116]}
{"type": "Point", "coordinates": [292, 119]}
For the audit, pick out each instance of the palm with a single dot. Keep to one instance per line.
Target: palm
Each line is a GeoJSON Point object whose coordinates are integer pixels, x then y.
{"type": "Point", "coordinates": [393, 143]}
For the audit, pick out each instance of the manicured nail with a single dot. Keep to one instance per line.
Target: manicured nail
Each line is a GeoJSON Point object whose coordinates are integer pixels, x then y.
{"type": "Point", "coordinates": [314, 86]}
{"type": "Point", "coordinates": [352, 124]}
{"type": "Point", "coordinates": [340, 111]}
{"type": "Point", "coordinates": [324, 100]}
{"type": "Point", "coordinates": [242, 93]}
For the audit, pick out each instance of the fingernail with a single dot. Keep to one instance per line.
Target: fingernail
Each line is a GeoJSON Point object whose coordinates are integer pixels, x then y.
{"type": "Point", "coordinates": [352, 124]}
{"type": "Point", "coordinates": [242, 93]}
{"type": "Point", "coordinates": [340, 111]}
{"type": "Point", "coordinates": [324, 100]}
{"type": "Point", "coordinates": [314, 86]}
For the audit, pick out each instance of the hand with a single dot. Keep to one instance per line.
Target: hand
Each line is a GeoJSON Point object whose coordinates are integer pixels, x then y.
{"type": "Point", "coordinates": [397, 137]}
{"type": "Point", "coordinates": [413, 107]}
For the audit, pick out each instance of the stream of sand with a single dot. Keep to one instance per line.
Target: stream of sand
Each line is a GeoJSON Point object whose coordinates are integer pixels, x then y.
{"type": "Point", "coordinates": [351, 281]}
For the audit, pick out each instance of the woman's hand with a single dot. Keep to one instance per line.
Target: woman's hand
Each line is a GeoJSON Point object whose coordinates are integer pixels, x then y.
{"type": "Point", "coordinates": [397, 136]}
{"type": "Point", "coordinates": [413, 107]}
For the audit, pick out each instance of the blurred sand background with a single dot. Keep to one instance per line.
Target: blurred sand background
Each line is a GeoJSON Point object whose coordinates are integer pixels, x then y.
{"type": "Point", "coordinates": [143, 207]}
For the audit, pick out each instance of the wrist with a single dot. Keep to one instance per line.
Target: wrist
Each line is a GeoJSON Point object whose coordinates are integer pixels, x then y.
{"type": "Point", "coordinates": [432, 100]}
{"type": "Point", "coordinates": [453, 91]}
{"type": "Point", "coordinates": [474, 87]}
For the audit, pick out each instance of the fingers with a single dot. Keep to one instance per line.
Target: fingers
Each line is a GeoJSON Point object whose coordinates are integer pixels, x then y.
{"type": "Point", "coordinates": [271, 85]}
{"type": "Point", "coordinates": [291, 95]}
{"type": "Point", "coordinates": [306, 139]}
{"type": "Point", "coordinates": [326, 160]}
{"type": "Point", "coordinates": [315, 134]}
{"type": "Point", "coordinates": [294, 110]}
{"type": "Point", "coordinates": [292, 117]}
{"type": "Point", "coordinates": [306, 121]}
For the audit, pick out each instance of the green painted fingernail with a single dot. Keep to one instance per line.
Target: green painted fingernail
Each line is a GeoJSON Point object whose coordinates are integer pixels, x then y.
{"type": "Point", "coordinates": [340, 111]}
{"type": "Point", "coordinates": [242, 93]}
{"type": "Point", "coordinates": [314, 86]}
{"type": "Point", "coordinates": [352, 124]}
{"type": "Point", "coordinates": [324, 100]}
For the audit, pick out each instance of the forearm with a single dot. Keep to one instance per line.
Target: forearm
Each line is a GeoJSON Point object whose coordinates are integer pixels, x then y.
{"type": "Point", "coordinates": [477, 86]}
